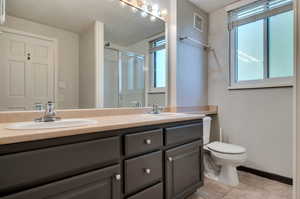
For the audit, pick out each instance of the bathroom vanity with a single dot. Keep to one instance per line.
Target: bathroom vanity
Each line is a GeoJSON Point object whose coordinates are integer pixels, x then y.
{"type": "Point", "coordinates": [157, 161]}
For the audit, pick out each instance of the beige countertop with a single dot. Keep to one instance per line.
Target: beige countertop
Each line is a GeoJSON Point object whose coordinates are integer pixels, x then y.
{"type": "Point", "coordinates": [105, 123]}
{"type": "Point", "coordinates": [207, 110]}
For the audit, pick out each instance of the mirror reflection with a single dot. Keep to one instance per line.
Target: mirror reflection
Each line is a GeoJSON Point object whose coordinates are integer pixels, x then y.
{"type": "Point", "coordinates": [96, 54]}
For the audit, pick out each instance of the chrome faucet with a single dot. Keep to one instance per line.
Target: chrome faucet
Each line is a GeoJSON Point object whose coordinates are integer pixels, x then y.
{"type": "Point", "coordinates": [49, 114]}
{"type": "Point", "coordinates": [156, 109]}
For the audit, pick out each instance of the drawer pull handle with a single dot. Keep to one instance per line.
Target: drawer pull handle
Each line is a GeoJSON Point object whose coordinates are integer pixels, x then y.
{"type": "Point", "coordinates": [148, 141]}
{"type": "Point", "coordinates": [170, 159]}
{"type": "Point", "coordinates": [148, 171]}
{"type": "Point", "coordinates": [118, 177]}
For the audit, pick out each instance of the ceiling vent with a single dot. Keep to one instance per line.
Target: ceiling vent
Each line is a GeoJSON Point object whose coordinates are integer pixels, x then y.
{"type": "Point", "coordinates": [198, 22]}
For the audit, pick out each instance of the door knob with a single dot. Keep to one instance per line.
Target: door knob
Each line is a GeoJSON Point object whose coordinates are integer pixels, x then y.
{"type": "Point", "coordinates": [170, 159]}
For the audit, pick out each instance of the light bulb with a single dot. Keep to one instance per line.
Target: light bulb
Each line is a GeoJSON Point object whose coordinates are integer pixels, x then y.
{"type": "Point", "coordinates": [140, 3]}
{"type": "Point", "coordinates": [145, 6]}
{"type": "Point", "coordinates": [149, 8]}
{"type": "Point", "coordinates": [122, 4]}
{"type": "Point", "coordinates": [164, 12]}
{"type": "Point", "coordinates": [155, 9]}
{"type": "Point", "coordinates": [144, 14]}
{"type": "Point", "coordinates": [152, 18]}
{"type": "Point", "coordinates": [134, 9]}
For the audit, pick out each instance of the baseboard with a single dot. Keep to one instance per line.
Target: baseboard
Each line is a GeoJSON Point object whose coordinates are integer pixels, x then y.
{"type": "Point", "coordinates": [264, 174]}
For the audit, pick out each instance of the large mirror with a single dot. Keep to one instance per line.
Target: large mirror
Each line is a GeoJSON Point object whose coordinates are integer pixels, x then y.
{"type": "Point", "coordinates": [81, 54]}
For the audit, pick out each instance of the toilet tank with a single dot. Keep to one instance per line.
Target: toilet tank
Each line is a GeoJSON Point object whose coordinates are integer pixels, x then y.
{"type": "Point", "coordinates": [206, 129]}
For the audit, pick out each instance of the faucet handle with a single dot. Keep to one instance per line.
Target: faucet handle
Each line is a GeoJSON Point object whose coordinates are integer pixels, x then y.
{"type": "Point", "coordinates": [38, 106]}
{"type": "Point", "coordinates": [156, 109]}
{"type": "Point", "coordinates": [50, 102]}
{"type": "Point", "coordinates": [50, 108]}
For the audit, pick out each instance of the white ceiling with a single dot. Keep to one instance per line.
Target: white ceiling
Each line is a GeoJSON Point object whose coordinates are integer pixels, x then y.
{"type": "Point", "coordinates": [212, 5]}
{"type": "Point", "coordinates": [122, 26]}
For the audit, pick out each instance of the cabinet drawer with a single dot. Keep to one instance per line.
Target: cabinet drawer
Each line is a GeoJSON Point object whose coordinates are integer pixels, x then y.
{"type": "Point", "coordinates": [104, 184]}
{"type": "Point", "coordinates": [143, 142]}
{"type": "Point", "coordinates": [142, 171]}
{"type": "Point", "coordinates": [32, 168]}
{"type": "Point", "coordinates": [154, 192]}
{"type": "Point", "coordinates": [183, 133]}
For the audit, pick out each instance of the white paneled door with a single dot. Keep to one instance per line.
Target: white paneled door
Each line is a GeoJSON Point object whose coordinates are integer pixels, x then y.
{"type": "Point", "coordinates": [26, 71]}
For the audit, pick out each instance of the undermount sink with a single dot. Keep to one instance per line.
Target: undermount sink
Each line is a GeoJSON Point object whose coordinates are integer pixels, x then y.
{"type": "Point", "coordinates": [165, 114]}
{"type": "Point", "coordinates": [65, 123]}
{"type": "Point", "coordinates": [171, 114]}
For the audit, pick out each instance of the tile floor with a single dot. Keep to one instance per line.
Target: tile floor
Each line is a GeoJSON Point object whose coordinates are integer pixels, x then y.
{"type": "Point", "coordinates": [250, 187]}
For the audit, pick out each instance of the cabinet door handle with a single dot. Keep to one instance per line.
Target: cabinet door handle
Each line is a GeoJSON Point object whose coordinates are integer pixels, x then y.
{"type": "Point", "coordinates": [170, 159]}
{"type": "Point", "coordinates": [118, 177]}
{"type": "Point", "coordinates": [147, 171]}
{"type": "Point", "coordinates": [148, 141]}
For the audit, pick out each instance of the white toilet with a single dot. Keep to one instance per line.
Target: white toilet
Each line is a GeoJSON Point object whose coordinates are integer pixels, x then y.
{"type": "Point", "coordinates": [221, 159]}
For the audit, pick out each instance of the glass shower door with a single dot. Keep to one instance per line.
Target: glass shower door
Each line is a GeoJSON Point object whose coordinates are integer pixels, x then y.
{"type": "Point", "coordinates": [111, 83]}
{"type": "Point", "coordinates": [131, 80]}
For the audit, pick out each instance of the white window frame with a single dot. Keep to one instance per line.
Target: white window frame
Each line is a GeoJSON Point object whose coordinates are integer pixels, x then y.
{"type": "Point", "coordinates": [266, 82]}
{"type": "Point", "coordinates": [153, 89]}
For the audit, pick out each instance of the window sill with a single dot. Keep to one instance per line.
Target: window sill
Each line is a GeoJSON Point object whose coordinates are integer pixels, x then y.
{"type": "Point", "coordinates": [156, 92]}
{"type": "Point", "coordinates": [161, 90]}
{"type": "Point", "coordinates": [259, 86]}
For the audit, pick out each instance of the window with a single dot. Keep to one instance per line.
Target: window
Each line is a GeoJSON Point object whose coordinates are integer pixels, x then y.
{"type": "Point", "coordinates": [158, 64]}
{"type": "Point", "coordinates": [262, 44]}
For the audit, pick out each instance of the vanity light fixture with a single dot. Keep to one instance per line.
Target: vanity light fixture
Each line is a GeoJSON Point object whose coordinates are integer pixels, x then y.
{"type": "Point", "coordinates": [146, 8]}
{"type": "Point", "coordinates": [122, 4]}
{"type": "Point", "coordinates": [152, 18]}
{"type": "Point", "coordinates": [164, 13]}
{"type": "Point", "coordinates": [2, 11]}
{"type": "Point", "coordinates": [144, 14]}
{"type": "Point", "coordinates": [134, 9]}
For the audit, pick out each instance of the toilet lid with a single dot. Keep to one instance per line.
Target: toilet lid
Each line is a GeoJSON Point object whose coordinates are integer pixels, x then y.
{"type": "Point", "coordinates": [226, 148]}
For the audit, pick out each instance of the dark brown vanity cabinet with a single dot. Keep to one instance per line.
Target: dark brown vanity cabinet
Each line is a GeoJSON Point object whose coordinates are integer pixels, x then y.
{"type": "Point", "coordinates": [183, 170]}
{"type": "Point", "coordinates": [100, 184]}
{"type": "Point", "coordinates": [30, 168]}
{"type": "Point", "coordinates": [159, 161]}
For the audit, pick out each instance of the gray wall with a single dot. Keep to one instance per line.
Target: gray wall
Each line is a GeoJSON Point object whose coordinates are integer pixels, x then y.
{"type": "Point", "coordinates": [87, 68]}
{"type": "Point", "coordinates": [191, 70]}
{"type": "Point", "coordinates": [258, 119]}
{"type": "Point", "coordinates": [156, 98]}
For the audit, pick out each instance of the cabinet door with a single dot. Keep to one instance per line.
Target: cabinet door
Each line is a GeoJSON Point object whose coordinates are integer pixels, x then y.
{"type": "Point", "coordinates": [100, 184]}
{"type": "Point", "coordinates": [184, 170]}
{"type": "Point", "coordinates": [21, 171]}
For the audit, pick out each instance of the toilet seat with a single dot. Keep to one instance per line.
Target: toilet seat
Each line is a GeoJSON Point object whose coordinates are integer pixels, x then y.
{"type": "Point", "coordinates": [224, 148]}
{"type": "Point", "coordinates": [234, 158]}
